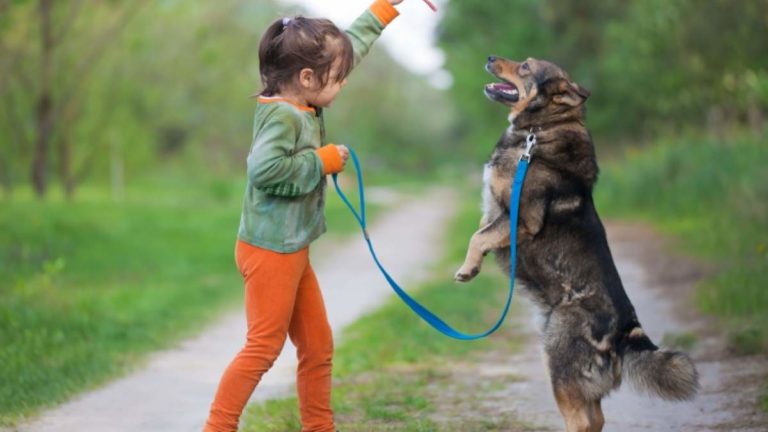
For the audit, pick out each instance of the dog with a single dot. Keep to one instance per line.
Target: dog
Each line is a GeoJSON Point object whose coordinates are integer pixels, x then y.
{"type": "Point", "coordinates": [590, 333]}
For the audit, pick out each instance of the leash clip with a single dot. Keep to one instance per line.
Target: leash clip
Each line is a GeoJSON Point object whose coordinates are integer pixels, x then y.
{"type": "Point", "coordinates": [530, 141]}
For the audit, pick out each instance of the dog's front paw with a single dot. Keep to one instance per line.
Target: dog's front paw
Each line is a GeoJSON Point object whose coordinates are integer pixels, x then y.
{"type": "Point", "coordinates": [466, 273]}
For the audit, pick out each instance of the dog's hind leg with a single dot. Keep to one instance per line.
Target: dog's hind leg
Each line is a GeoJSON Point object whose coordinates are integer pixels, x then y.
{"type": "Point", "coordinates": [495, 235]}
{"type": "Point", "coordinates": [580, 415]}
{"type": "Point", "coordinates": [597, 415]}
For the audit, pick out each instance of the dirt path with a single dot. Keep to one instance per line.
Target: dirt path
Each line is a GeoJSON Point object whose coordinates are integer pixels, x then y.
{"type": "Point", "coordinates": [515, 386]}
{"type": "Point", "coordinates": [173, 391]}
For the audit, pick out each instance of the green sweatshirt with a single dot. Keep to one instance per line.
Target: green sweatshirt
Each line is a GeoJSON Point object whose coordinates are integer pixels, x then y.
{"type": "Point", "coordinates": [283, 208]}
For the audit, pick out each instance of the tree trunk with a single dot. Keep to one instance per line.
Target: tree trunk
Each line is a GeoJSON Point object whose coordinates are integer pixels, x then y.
{"type": "Point", "coordinates": [65, 170]}
{"type": "Point", "coordinates": [716, 123]}
{"type": "Point", "coordinates": [756, 117]}
{"type": "Point", "coordinates": [44, 111]}
{"type": "Point", "coordinates": [5, 175]}
{"type": "Point", "coordinates": [116, 169]}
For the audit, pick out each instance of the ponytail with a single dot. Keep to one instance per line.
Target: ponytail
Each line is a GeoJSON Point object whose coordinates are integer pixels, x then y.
{"type": "Point", "coordinates": [269, 51]}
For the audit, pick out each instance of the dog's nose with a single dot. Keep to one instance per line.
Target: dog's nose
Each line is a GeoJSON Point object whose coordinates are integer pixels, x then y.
{"type": "Point", "coordinates": [491, 59]}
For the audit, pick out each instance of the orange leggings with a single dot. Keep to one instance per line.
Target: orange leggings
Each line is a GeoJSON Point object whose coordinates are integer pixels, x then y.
{"type": "Point", "coordinates": [282, 297]}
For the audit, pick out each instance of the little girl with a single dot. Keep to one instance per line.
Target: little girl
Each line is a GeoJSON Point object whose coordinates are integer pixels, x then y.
{"type": "Point", "coordinates": [303, 64]}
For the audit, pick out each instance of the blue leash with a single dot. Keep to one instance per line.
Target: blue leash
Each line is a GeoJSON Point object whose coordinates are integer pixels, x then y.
{"type": "Point", "coordinates": [424, 313]}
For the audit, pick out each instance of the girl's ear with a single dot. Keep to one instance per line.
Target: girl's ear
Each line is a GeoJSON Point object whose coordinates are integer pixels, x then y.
{"type": "Point", "coordinates": [307, 78]}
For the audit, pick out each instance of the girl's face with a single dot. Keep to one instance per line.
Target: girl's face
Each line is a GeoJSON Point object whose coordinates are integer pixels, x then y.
{"type": "Point", "coordinates": [321, 96]}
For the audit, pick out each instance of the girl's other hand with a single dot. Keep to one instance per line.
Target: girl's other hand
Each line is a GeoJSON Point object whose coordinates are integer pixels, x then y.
{"type": "Point", "coordinates": [343, 151]}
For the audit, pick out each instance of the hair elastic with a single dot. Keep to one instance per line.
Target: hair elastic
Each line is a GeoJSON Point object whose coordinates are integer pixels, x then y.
{"type": "Point", "coordinates": [286, 21]}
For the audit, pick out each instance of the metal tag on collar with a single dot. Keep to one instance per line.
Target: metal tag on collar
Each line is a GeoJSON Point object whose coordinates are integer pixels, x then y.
{"type": "Point", "coordinates": [530, 141]}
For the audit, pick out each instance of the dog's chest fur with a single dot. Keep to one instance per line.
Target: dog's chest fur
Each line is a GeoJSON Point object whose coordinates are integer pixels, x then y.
{"type": "Point", "coordinates": [497, 177]}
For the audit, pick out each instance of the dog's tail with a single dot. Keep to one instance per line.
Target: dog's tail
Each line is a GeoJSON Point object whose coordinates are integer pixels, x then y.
{"type": "Point", "coordinates": [668, 374]}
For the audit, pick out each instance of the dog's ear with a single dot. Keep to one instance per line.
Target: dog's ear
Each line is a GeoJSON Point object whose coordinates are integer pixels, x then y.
{"type": "Point", "coordinates": [570, 93]}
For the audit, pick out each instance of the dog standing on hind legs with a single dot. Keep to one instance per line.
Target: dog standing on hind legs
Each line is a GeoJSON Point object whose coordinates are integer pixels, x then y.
{"type": "Point", "coordinates": [590, 333]}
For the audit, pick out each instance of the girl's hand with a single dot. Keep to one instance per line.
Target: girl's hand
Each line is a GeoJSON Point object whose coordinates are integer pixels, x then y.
{"type": "Point", "coordinates": [343, 151]}
{"type": "Point", "coordinates": [428, 2]}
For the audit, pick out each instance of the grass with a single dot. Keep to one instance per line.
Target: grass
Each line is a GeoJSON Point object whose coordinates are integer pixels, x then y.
{"type": "Point", "coordinates": [391, 368]}
{"type": "Point", "coordinates": [88, 288]}
{"type": "Point", "coordinates": [764, 399]}
{"type": "Point", "coordinates": [683, 341]}
{"type": "Point", "coordinates": [713, 196]}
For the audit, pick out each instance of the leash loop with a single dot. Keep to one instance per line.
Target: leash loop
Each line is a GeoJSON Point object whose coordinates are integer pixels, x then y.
{"type": "Point", "coordinates": [421, 311]}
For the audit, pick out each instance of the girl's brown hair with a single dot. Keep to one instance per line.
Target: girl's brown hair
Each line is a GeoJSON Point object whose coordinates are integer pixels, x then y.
{"type": "Point", "coordinates": [292, 44]}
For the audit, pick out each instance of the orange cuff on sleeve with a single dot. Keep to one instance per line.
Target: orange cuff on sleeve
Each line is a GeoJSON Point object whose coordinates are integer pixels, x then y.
{"type": "Point", "coordinates": [332, 161]}
{"type": "Point", "coordinates": [384, 11]}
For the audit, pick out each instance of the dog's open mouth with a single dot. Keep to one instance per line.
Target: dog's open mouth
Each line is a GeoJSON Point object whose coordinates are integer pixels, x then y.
{"type": "Point", "coordinates": [503, 90]}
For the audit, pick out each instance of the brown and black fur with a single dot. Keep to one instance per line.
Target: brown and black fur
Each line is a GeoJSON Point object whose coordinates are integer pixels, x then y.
{"type": "Point", "coordinates": [591, 335]}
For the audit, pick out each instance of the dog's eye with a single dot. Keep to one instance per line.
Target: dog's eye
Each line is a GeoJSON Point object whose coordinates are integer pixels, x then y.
{"type": "Point", "coordinates": [525, 66]}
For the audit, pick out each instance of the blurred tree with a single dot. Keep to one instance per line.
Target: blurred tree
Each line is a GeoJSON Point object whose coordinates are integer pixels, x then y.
{"type": "Point", "coordinates": [61, 68]}
{"type": "Point", "coordinates": [7, 146]}
{"type": "Point", "coordinates": [399, 122]}
{"type": "Point", "coordinates": [142, 89]}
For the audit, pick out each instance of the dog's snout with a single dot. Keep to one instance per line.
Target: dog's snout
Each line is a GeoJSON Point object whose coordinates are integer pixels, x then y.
{"type": "Point", "coordinates": [491, 59]}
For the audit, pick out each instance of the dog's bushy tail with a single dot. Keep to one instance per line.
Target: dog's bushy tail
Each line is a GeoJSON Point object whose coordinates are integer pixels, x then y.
{"type": "Point", "coordinates": [668, 374]}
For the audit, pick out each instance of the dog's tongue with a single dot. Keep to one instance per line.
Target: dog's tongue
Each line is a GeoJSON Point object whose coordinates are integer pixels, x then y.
{"type": "Point", "coordinates": [503, 87]}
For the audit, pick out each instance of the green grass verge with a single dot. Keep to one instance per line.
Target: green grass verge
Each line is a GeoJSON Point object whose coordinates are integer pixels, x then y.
{"type": "Point", "coordinates": [390, 366]}
{"type": "Point", "coordinates": [764, 399]}
{"type": "Point", "coordinates": [713, 196]}
{"type": "Point", "coordinates": [88, 288]}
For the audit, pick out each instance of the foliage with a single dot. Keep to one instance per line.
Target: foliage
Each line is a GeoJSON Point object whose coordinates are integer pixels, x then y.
{"type": "Point", "coordinates": [170, 83]}
{"type": "Point", "coordinates": [406, 128]}
{"type": "Point", "coordinates": [652, 65]}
